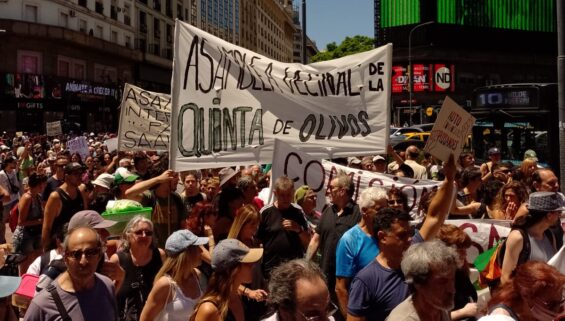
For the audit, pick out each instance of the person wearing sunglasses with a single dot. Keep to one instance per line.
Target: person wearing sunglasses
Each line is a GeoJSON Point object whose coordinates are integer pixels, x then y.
{"type": "Point", "coordinates": [78, 293]}
{"type": "Point", "coordinates": [141, 260]}
{"type": "Point", "coordinates": [298, 291]}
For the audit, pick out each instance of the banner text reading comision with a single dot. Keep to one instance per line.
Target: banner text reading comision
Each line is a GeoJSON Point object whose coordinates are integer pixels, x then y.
{"type": "Point", "coordinates": [229, 103]}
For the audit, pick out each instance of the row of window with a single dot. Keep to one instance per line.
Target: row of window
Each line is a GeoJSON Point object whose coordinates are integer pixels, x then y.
{"type": "Point", "coordinates": [31, 62]}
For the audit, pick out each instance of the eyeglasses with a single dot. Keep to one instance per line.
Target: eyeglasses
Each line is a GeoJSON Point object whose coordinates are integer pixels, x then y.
{"type": "Point", "coordinates": [394, 202]}
{"type": "Point", "coordinates": [330, 310]}
{"type": "Point", "coordinates": [143, 232]}
{"type": "Point", "coordinates": [88, 253]}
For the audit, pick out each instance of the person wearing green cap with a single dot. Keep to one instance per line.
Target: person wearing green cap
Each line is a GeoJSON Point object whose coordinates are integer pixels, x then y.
{"type": "Point", "coordinates": [306, 198]}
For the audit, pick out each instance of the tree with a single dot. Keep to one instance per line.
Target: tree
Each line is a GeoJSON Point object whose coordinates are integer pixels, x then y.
{"type": "Point", "coordinates": [348, 47]}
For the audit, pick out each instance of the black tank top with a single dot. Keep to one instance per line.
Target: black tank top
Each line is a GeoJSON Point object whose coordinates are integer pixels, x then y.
{"type": "Point", "coordinates": [137, 284]}
{"type": "Point", "coordinates": [69, 207]}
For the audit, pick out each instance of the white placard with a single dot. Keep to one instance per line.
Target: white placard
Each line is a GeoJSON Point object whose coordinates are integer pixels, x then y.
{"type": "Point", "coordinates": [144, 120]}
{"type": "Point", "coordinates": [306, 170]}
{"type": "Point", "coordinates": [229, 104]}
{"type": "Point", "coordinates": [54, 128]}
{"type": "Point", "coordinates": [450, 131]}
{"type": "Point", "coordinates": [111, 144]}
{"type": "Point", "coordinates": [79, 145]}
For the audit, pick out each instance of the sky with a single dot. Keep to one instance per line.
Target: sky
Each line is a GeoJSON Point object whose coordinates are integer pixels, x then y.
{"type": "Point", "coordinates": [333, 20]}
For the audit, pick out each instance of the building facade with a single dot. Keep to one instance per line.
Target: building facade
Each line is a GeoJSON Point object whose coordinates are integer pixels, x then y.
{"type": "Point", "coordinates": [70, 59]}
{"type": "Point", "coordinates": [469, 44]}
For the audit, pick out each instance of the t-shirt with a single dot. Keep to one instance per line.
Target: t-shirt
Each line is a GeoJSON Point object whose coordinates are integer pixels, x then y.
{"type": "Point", "coordinates": [165, 211]}
{"type": "Point", "coordinates": [376, 290]}
{"type": "Point", "coordinates": [279, 245]}
{"type": "Point", "coordinates": [330, 229]}
{"type": "Point", "coordinates": [406, 311]}
{"type": "Point", "coordinates": [95, 304]}
{"type": "Point", "coordinates": [355, 250]}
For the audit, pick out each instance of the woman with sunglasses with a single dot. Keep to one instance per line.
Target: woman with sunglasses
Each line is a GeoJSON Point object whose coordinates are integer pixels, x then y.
{"type": "Point", "coordinates": [141, 260]}
{"type": "Point", "coordinates": [179, 284]}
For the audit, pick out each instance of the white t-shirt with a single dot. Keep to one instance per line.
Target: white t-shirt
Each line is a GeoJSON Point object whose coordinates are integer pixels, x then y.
{"type": "Point", "coordinates": [34, 268]}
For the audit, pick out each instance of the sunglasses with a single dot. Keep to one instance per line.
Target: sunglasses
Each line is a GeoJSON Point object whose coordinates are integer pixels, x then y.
{"type": "Point", "coordinates": [143, 232]}
{"type": "Point", "coordinates": [394, 202]}
{"type": "Point", "coordinates": [88, 253]}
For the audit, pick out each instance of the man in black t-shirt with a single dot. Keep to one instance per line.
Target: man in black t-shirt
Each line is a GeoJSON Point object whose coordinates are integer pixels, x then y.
{"type": "Point", "coordinates": [283, 229]}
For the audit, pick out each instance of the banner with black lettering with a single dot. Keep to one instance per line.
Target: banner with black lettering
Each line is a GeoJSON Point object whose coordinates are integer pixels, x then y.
{"type": "Point", "coordinates": [304, 169]}
{"type": "Point", "coordinates": [229, 104]}
{"type": "Point", "coordinates": [144, 120]}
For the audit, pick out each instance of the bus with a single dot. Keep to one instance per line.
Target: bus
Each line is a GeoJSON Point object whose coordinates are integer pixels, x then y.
{"type": "Point", "coordinates": [515, 118]}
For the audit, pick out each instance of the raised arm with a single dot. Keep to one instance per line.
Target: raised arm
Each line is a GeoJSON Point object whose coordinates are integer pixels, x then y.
{"type": "Point", "coordinates": [441, 203]}
{"type": "Point", "coordinates": [143, 186]}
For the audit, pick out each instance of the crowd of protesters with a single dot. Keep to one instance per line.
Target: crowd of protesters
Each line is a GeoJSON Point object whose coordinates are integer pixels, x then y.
{"type": "Point", "coordinates": [217, 248]}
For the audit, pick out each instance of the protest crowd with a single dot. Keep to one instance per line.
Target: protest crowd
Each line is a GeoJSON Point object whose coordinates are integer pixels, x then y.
{"type": "Point", "coordinates": [235, 243]}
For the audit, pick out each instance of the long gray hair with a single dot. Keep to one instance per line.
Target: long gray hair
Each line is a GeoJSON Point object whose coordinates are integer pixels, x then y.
{"type": "Point", "coordinates": [125, 244]}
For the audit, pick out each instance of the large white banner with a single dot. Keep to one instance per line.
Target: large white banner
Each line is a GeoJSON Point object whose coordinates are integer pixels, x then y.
{"type": "Point", "coordinates": [229, 104]}
{"type": "Point", "coordinates": [145, 120]}
{"type": "Point", "coordinates": [304, 169]}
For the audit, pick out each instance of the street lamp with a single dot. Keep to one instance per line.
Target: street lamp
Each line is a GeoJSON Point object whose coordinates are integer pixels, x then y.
{"type": "Point", "coordinates": [304, 58]}
{"type": "Point", "coordinates": [411, 69]}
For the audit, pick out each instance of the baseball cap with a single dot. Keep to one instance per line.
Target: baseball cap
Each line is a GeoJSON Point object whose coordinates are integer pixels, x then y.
{"type": "Point", "coordinates": [226, 174]}
{"type": "Point", "coordinates": [8, 285]}
{"type": "Point", "coordinates": [180, 240]}
{"type": "Point", "coordinates": [89, 218]}
{"type": "Point", "coordinates": [300, 193]}
{"type": "Point", "coordinates": [531, 154]}
{"type": "Point", "coordinates": [56, 140]}
{"type": "Point", "coordinates": [378, 158]}
{"type": "Point", "coordinates": [546, 202]}
{"type": "Point", "coordinates": [230, 252]}
{"type": "Point", "coordinates": [353, 161]}
{"type": "Point", "coordinates": [73, 167]}
{"type": "Point", "coordinates": [493, 151]}
{"type": "Point", "coordinates": [104, 180]}
{"type": "Point", "coordinates": [123, 175]}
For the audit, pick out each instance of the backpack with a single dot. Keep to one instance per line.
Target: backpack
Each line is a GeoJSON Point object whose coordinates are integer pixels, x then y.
{"type": "Point", "coordinates": [490, 275]}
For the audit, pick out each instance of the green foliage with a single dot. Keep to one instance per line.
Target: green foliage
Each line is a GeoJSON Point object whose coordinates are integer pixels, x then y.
{"type": "Point", "coordinates": [348, 47]}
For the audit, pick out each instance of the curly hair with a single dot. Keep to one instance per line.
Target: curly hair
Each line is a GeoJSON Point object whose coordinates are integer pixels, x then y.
{"type": "Point", "coordinates": [282, 286]}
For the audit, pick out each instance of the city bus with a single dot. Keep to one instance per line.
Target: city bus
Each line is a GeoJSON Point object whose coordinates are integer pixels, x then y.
{"type": "Point", "coordinates": [515, 118]}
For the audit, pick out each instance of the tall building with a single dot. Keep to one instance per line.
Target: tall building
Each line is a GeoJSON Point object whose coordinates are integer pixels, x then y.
{"type": "Point", "coordinates": [470, 44]}
{"type": "Point", "coordinates": [311, 48]}
{"type": "Point", "coordinates": [69, 59]}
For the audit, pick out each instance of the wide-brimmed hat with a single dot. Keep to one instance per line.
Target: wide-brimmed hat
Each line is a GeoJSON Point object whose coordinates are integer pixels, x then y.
{"type": "Point", "coordinates": [230, 252]}
{"type": "Point", "coordinates": [104, 180]}
{"type": "Point", "coordinates": [531, 154]}
{"type": "Point", "coordinates": [89, 218]}
{"type": "Point", "coordinates": [180, 240]}
{"type": "Point", "coordinates": [546, 202]}
{"type": "Point", "coordinates": [226, 174]}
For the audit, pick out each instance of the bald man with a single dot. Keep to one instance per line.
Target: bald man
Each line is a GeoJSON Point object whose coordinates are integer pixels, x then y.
{"type": "Point", "coordinates": [412, 153]}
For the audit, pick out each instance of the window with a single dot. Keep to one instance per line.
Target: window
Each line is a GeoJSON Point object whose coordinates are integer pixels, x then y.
{"type": "Point", "coordinates": [105, 74]}
{"type": "Point", "coordinates": [82, 25]}
{"type": "Point", "coordinates": [68, 67]}
{"type": "Point", "coordinates": [29, 62]}
{"type": "Point", "coordinates": [99, 31]}
{"type": "Point", "coordinates": [30, 13]}
{"type": "Point", "coordinates": [79, 70]}
{"type": "Point", "coordinates": [63, 68]}
{"type": "Point", "coordinates": [64, 20]}
{"type": "Point", "coordinates": [114, 37]}
{"type": "Point", "coordinates": [128, 41]}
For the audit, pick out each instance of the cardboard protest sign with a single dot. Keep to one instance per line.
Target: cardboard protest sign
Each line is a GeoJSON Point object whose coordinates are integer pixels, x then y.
{"type": "Point", "coordinates": [54, 128]}
{"type": "Point", "coordinates": [450, 131]}
{"type": "Point", "coordinates": [303, 169]}
{"type": "Point", "coordinates": [79, 145]}
{"type": "Point", "coordinates": [229, 104]}
{"type": "Point", "coordinates": [144, 120]}
{"type": "Point", "coordinates": [111, 144]}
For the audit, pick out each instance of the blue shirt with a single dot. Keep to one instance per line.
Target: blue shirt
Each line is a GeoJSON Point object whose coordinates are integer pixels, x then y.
{"type": "Point", "coordinates": [355, 250]}
{"type": "Point", "coordinates": [376, 290]}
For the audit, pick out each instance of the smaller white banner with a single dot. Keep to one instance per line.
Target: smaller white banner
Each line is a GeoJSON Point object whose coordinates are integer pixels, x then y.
{"type": "Point", "coordinates": [54, 128]}
{"type": "Point", "coordinates": [450, 131]}
{"type": "Point", "coordinates": [79, 145]}
{"type": "Point", "coordinates": [145, 119]}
